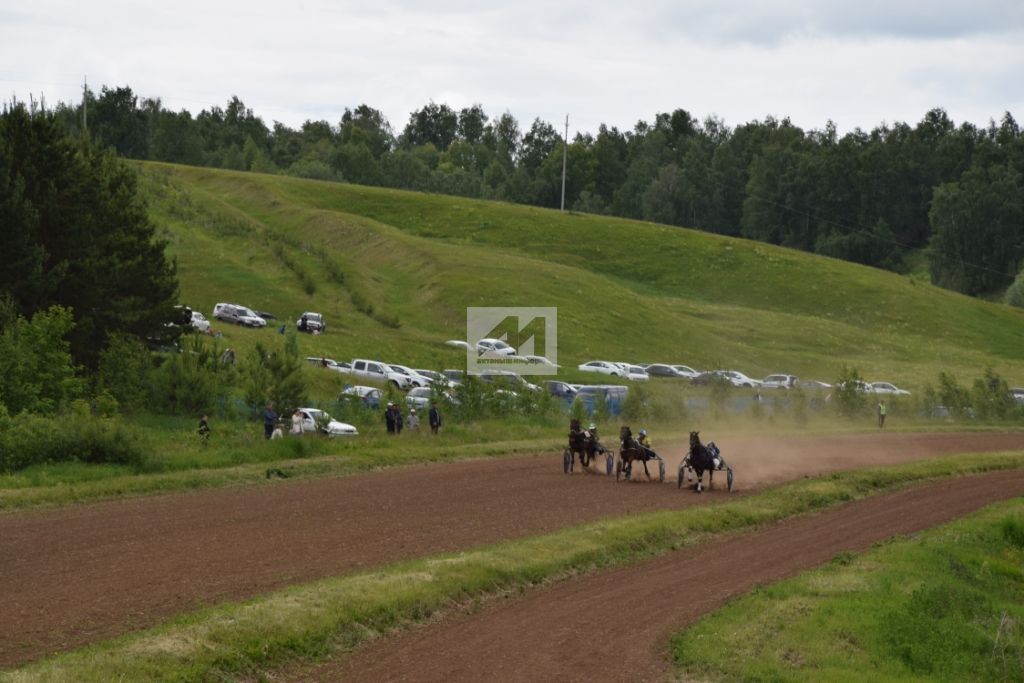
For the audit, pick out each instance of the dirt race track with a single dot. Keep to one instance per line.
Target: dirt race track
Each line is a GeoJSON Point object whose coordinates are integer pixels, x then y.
{"type": "Point", "coordinates": [79, 574]}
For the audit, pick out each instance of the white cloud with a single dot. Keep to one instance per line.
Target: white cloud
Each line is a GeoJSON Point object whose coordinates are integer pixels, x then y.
{"type": "Point", "coordinates": [601, 62]}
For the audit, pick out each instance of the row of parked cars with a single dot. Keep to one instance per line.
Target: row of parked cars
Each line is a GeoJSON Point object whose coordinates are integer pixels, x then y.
{"type": "Point", "coordinates": [736, 378]}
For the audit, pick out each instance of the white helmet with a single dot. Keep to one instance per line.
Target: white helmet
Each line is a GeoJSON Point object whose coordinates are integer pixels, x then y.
{"type": "Point", "coordinates": [643, 432]}
{"type": "Point", "coordinates": [593, 426]}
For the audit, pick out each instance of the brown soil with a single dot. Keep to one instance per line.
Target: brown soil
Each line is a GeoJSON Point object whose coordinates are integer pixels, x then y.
{"type": "Point", "coordinates": [615, 626]}
{"type": "Point", "coordinates": [79, 574]}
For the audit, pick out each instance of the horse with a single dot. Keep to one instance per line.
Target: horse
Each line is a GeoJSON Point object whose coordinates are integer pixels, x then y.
{"type": "Point", "coordinates": [630, 450]}
{"type": "Point", "coordinates": [577, 446]}
{"type": "Point", "coordinates": [702, 459]}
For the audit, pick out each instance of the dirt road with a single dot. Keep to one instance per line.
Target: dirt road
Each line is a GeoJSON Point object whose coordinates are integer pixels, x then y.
{"type": "Point", "coordinates": [574, 631]}
{"type": "Point", "coordinates": [75, 575]}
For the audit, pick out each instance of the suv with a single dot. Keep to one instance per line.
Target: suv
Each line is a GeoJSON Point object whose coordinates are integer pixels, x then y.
{"type": "Point", "coordinates": [311, 322]}
{"type": "Point", "coordinates": [382, 372]}
{"type": "Point", "coordinates": [779, 382]}
{"type": "Point", "coordinates": [240, 315]}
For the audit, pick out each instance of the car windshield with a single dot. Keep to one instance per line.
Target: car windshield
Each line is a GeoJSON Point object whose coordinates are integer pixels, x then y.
{"type": "Point", "coordinates": [498, 344]}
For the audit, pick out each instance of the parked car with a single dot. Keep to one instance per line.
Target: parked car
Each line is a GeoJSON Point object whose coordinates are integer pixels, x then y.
{"type": "Point", "coordinates": [812, 384]}
{"type": "Point", "coordinates": [494, 348]}
{"type": "Point", "coordinates": [738, 379]}
{"type": "Point", "coordinates": [1017, 394]}
{"type": "Point", "coordinates": [239, 315]}
{"type": "Point", "coordinates": [507, 380]}
{"type": "Point", "coordinates": [370, 397]}
{"type": "Point", "coordinates": [200, 322]}
{"type": "Point", "coordinates": [311, 322]}
{"type": "Point", "coordinates": [454, 376]}
{"type": "Point", "coordinates": [686, 371]}
{"type": "Point", "coordinates": [419, 397]}
{"type": "Point", "coordinates": [540, 360]}
{"type": "Point", "coordinates": [703, 379]}
{"type": "Point", "coordinates": [458, 344]}
{"type": "Point", "coordinates": [432, 375]}
{"type": "Point", "coordinates": [316, 420]}
{"type": "Point", "coordinates": [860, 386]}
{"type": "Point", "coordinates": [636, 373]}
{"type": "Point", "coordinates": [779, 382]}
{"type": "Point", "coordinates": [330, 364]}
{"type": "Point", "coordinates": [561, 389]}
{"type": "Point", "coordinates": [415, 378]}
{"type": "Point", "coordinates": [602, 366]}
{"type": "Point", "coordinates": [376, 370]}
{"type": "Point", "coordinates": [887, 388]}
{"type": "Point", "coordinates": [662, 370]}
{"type": "Point", "coordinates": [613, 396]}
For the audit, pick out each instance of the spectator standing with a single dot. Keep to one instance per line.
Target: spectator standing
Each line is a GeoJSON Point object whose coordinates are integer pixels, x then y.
{"type": "Point", "coordinates": [297, 422]}
{"type": "Point", "coordinates": [204, 428]}
{"type": "Point", "coordinates": [881, 414]}
{"type": "Point", "coordinates": [269, 420]}
{"type": "Point", "coordinates": [413, 421]}
{"type": "Point", "coordinates": [434, 418]}
{"type": "Point", "coordinates": [389, 418]}
{"type": "Point", "coordinates": [399, 420]}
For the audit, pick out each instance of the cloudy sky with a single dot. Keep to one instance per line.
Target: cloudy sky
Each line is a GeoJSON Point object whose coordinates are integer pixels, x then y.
{"type": "Point", "coordinates": [858, 64]}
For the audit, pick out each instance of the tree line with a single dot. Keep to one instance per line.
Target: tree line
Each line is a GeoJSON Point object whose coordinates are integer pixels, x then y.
{"type": "Point", "coordinates": [874, 197]}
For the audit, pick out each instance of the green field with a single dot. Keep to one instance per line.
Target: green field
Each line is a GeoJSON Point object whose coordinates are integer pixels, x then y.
{"type": "Point", "coordinates": [394, 271]}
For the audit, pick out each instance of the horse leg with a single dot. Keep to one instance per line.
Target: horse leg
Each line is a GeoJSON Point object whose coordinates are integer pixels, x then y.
{"type": "Point", "coordinates": [646, 471]}
{"type": "Point", "coordinates": [711, 478]}
{"type": "Point", "coordinates": [699, 486]}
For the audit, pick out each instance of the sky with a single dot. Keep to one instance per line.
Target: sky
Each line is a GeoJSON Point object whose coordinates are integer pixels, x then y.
{"type": "Point", "coordinates": [856, 64]}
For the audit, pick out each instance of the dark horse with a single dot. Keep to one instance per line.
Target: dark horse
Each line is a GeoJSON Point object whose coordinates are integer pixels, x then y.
{"type": "Point", "coordinates": [630, 450]}
{"type": "Point", "coordinates": [702, 459]}
{"type": "Point", "coordinates": [584, 444]}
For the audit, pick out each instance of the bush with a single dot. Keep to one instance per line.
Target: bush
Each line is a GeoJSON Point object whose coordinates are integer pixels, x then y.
{"type": "Point", "coordinates": [847, 396]}
{"type": "Point", "coordinates": [29, 440]}
{"type": "Point", "coordinates": [125, 371]}
{"type": "Point", "coordinates": [991, 397]}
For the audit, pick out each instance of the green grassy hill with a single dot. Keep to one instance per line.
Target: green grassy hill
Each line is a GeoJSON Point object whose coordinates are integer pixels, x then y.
{"type": "Point", "coordinates": [393, 271]}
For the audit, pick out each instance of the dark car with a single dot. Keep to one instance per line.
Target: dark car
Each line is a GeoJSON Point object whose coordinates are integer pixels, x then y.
{"type": "Point", "coordinates": [661, 370]}
{"type": "Point", "coordinates": [707, 378]}
{"type": "Point", "coordinates": [560, 389]}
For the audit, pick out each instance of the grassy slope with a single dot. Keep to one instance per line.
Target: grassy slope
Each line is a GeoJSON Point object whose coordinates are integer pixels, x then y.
{"type": "Point", "coordinates": [624, 289]}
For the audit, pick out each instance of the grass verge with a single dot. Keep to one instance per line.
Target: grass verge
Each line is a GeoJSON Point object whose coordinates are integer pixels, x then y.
{"type": "Point", "coordinates": [942, 605]}
{"type": "Point", "coordinates": [313, 620]}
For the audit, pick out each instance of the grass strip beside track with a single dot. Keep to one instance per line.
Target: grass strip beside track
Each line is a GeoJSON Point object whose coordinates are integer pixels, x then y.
{"type": "Point", "coordinates": [941, 605]}
{"type": "Point", "coordinates": [314, 620]}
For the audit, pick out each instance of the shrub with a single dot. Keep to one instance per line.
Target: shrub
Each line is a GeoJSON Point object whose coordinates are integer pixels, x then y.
{"type": "Point", "coordinates": [991, 397]}
{"type": "Point", "coordinates": [29, 440]}
{"type": "Point", "coordinates": [847, 397]}
{"type": "Point", "coordinates": [125, 371]}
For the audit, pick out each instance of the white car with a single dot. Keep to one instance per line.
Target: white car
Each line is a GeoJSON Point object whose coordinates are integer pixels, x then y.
{"type": "Point", "coordinates": [200, 322]}
{"type": "Point", "coordinates": [887, 389]}
{"type": "Point", "coordinates": [240, 315]}
{"type": "Point", "coordinates": [685, 371]}
{"type": "Point", "coordinates": [311, 322]}
{"type": "Point", "coordinates": [779, 382]}
{"type": "Point", "coordinates": [459, 344]}
{"type": "Point", "coordinates": [433, 376]}
{"type": "Point", "coordinates": [494, 348]}
{"type": "Point", "coordinates": [602, 366]}
{"type": "Point", "coordinates": [738, 379]}
{"type": "Point", "coordinates": [636, 373]}
{"type": "Point", "coordinates": [415, 378]}
{"type": "Point", "coordinates": [330, 364]}
{"type": "Point", "coordinates": [370, 397]}
{"type": "Point", "coordinates": [540, 360]}
{"type": "Point", "coordinates": [503, 378]}
{"type": "Point", "coordinates": [314, 420]}
{"type": "Point", "coordinates": [382, 372]}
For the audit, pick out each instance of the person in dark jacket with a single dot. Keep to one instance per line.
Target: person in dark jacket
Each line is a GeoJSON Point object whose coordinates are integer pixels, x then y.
{"type": "Point", "coordinates": [434, 418]}
{"type": "Point", "coordinates": [269, 421]}
{"type": "Point", "coordinates": [389, 418]}
{"type": "Point", "coordinates": [204, 428]}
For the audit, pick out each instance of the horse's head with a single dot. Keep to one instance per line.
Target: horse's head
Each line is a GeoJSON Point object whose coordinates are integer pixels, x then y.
{"type": "Point", "coordinates": [625, 433]}
{"type": "Point", "coordinates": [694, 439]}
{"type": "Point", "coordinates": [574, 425]}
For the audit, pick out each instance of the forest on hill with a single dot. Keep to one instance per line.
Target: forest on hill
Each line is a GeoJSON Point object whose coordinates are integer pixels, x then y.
{"type": "Point", "coordinates": [952, 192]}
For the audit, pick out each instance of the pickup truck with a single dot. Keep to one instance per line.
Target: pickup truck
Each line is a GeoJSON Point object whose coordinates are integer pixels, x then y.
{"type": "Point", "coordinates": [375, 370]}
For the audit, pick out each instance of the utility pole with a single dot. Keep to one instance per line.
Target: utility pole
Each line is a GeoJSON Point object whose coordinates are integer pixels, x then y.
{"type": "Point", "coordinates": [565, 154]}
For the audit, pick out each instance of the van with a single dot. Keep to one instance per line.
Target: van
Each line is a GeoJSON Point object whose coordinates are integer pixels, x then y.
{"type": "Point", "coordinates": [239, 315]}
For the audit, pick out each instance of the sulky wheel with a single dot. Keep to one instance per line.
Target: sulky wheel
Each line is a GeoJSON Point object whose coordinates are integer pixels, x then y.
{"type": "Point", "coordinates": [682, 476]}
{"type": "Point", "coordinates": [661, 470]}
{"type": "Point", "coordinates": [728, 478]}
{"type": "Point", "coordinates": [609, 464]}
{"type": "Point", "coordinates": [618, 470]}
{"type": "Point", "coordinates": [567, 461]}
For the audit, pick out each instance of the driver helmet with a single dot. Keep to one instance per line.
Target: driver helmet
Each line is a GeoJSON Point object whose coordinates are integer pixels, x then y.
{"type": "Point", "coordinates": [643, 432]}
{"type": "Point", "coordinates": [593, 426]}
